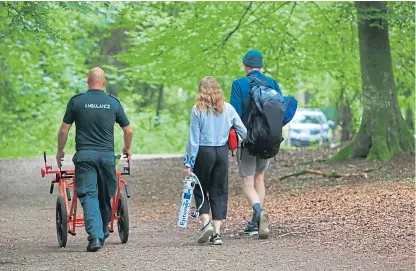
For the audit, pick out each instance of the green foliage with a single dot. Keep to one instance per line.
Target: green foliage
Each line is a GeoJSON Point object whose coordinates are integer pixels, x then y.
{"type": "Point", "coordinates": [40, 72]}
{"type": "Point", "coordinates": [47, 49]}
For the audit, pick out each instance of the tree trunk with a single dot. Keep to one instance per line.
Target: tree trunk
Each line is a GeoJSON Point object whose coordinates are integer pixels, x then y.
{"type": "Point", "coordinates": [383, 131]}
{"type": "Point", "coordinates": [307, 98]}
{"type": "Point", "coordinates": [346, 121]}
{"type": "Point", "coordinates": [345, 116]}
{"type": "Point", "coordinates": [410, 114]}
{"type": "Point", "coordinates": [159, 104]}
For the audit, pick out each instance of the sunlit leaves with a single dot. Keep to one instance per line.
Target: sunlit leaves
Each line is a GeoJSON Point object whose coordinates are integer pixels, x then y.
{"type": "Point", "coordinates": [46, 49]}
{"type": "Point", "coordinates": [41, 70]}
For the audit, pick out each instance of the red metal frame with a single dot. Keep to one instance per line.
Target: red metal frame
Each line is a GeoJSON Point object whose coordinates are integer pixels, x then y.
{"type": "Point", "coordinates": [66, 180]}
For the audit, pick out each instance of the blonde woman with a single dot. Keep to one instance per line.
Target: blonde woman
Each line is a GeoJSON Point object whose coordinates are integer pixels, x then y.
{"type": "Point", "coordinates": [207, 155]}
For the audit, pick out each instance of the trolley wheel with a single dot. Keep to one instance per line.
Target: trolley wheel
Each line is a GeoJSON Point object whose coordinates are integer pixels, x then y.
{"type": "Point", "coordinates": [61, 221]}
{"type": "Point", "coordinates": [123, 220]}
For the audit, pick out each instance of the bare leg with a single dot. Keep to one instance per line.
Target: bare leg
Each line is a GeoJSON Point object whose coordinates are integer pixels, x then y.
{"type": "Point", "coordinates": [250, 190]}
{"type": "Point", "coordinates": [204, 219]}
{"type": "Point", "coordinates": [252, 196]}
{"type": "Point", "coordinates": [217, 226]}
{"type": "Point", "coordinates": [259, 186]}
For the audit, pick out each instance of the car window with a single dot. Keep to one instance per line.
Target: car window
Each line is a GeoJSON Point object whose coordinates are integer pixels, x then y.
{"type": "Point", "coordinates": [308, 119]}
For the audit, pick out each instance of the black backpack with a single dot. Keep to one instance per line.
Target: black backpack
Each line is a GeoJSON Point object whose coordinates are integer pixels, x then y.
{"type": "Point", "coordinates": [265, 120]}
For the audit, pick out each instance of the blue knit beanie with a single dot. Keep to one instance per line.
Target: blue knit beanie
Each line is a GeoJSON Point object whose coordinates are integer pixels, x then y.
{"type": "Point", "coordinates": [253, 59]}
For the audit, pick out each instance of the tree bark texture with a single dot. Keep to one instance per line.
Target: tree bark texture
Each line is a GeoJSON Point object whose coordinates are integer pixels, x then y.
{"type": "Point", "coordinates": [383, 131]}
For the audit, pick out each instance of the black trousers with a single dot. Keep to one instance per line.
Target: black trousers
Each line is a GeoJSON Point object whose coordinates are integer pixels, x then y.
{"type": "Point", "coordinates": [211, 168]}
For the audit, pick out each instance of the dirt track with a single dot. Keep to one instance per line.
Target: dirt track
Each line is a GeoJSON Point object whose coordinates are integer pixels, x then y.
{"type": "Point", "coordinates": [318, 224]}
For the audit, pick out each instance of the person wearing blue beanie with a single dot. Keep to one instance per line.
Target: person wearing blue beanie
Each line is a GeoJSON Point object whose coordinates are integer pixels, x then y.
{"type": "Point", "coordinates": [253, 59]}
{"type": "Point", "coordinates": [251, 168]}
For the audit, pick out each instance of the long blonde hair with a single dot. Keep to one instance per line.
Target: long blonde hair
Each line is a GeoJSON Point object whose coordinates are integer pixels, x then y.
{"type": "Point", "coordinates": [210, 96]}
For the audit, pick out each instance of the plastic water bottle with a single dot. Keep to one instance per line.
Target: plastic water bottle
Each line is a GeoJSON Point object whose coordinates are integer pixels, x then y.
{"type": "Point", "coordinates": [186, 199]}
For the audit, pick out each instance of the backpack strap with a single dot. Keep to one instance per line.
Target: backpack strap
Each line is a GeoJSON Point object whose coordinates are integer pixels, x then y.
{"type": "Point", "coordinates": [264, 83]}
{"type": "Point", "coordinates": [252, 82]}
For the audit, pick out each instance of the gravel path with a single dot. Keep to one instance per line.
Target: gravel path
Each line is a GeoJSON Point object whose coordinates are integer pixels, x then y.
{"type": "Point", "coordinates": [28, 236]}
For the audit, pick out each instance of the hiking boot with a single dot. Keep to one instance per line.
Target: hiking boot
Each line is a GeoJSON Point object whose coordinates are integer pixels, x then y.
{"type": "Point", "coordinates": [206, 232]}
{"type": "Point", "coordinates": [264, 230]}
{"type": "Point", "coordinates": [251, 228]}
{"type": "Point", "coordinates": [215, 240]}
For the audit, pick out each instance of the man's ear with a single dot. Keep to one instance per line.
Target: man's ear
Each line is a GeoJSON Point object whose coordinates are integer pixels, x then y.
{"type": "Point", "coordinates": [105, 81]}
{"type": "Point", "coordinates": [88, 80]}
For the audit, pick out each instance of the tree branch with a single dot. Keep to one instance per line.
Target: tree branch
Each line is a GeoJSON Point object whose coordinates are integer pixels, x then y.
{"type": "Point", "coordinates": [268, 14]}
{"type": "Point", "coordinates": [226, 37]}
{"type": "Point", "coordinates": [284, 35]}
{"type": "Point", "coordinates": [330, 174]}
{"type": "Point", "coordinates": [273, 49]}
{"type": "Point", "coordinates": [323, 13]}
{"type": "Point", "coordinates": [330, 25]}
{"type": "Point", "coordinates": [239, 23]}
{"type": "Point", "coordinates": [254, 11]}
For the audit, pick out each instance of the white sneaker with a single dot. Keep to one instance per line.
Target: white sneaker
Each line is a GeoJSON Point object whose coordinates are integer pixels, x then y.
{"type": "Point", "coordinates": [264, 230]}
{"type": "Point", "coordinates": [206, 233]}
{"type": "Point", "coordinates": [215, 240]}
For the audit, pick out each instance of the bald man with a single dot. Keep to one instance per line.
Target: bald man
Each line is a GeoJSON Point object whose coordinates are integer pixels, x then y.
{"type": "Point", "coordinates": [95, 114]}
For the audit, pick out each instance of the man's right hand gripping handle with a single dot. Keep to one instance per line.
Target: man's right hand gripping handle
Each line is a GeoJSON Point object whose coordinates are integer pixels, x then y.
{"type": "Point", "coordinates": [128, 136]}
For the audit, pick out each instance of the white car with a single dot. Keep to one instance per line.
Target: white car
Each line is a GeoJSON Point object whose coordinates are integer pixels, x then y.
{"type": "Point", "coordinates": [308, 126]}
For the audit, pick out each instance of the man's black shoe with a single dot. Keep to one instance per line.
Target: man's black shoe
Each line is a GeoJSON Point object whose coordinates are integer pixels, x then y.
{"type": "Point", "coordinates": [94, 245]}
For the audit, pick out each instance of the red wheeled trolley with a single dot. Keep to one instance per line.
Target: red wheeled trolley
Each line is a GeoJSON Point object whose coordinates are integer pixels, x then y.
{"type": "Point", "coordinates": [66, 222]}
